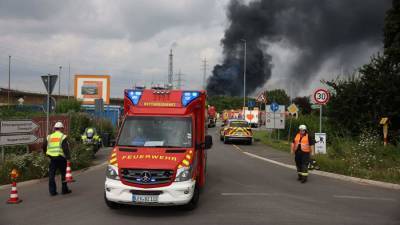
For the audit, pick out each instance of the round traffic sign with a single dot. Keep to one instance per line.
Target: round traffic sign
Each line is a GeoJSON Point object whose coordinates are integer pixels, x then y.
{"type": "Point", "coordinates": [274, 107]}
{"type": "Point", "coordinates": [321, 96]}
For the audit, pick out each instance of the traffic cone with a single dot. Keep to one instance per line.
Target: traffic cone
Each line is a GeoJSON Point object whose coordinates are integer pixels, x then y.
{"type": "Point", "coordinates": [14, 194]}
{"type": "Point", "coordinates": [68, 175]}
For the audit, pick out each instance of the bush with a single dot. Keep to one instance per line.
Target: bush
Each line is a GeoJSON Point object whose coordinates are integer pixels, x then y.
{"type": "Point", "coordinates": [78, 124]}
{"type": "Point", "coordinates": [68, 105]}
{"type": "Point", "coordinates": [30, 166]}
{"type": "Point", "coordinates": [20, 112]}
{"type": "Point", "coordinates": [80, 121]}
{"type": "Point", "coordinates": [104, 126]}
{"type": "Point", "coordinates": [35, 165]}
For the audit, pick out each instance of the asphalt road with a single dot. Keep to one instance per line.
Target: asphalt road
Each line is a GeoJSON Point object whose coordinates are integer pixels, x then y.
{"type": "Point", "coordinates": [240, 190]}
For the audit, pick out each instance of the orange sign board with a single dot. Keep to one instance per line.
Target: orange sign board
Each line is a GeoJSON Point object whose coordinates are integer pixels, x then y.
{"type": "Point", "coordinates": [91, 87]}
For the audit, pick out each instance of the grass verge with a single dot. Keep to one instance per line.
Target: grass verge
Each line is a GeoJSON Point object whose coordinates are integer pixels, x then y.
{"type": "Point", "coordinates": [364, 158]}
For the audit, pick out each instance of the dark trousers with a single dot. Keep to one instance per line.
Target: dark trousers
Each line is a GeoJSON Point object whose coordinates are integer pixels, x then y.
{"type": "Point", "coordinates": [302, 159]}
{"type": "Point", "coordinates": [57, 163]}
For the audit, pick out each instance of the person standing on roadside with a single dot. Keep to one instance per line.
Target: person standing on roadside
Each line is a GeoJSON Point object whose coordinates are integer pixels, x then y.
{"type": "Point", "coordinates": [302, 147]}
{"type": "Point", "coordinates": [56, 147]}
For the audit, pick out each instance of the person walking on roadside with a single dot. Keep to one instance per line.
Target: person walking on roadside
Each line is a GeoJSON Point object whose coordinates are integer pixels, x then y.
{"type": "Point", "coordinates": [302, 147]}
{"type": "Point", "coordinates": [56, 147]}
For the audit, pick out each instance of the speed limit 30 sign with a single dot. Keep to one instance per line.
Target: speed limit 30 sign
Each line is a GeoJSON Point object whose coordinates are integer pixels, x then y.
{"type": "Point", "coordinates": [321, 96]}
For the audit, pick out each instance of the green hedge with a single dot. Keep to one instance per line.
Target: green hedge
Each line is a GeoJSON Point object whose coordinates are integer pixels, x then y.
{"type": "Point", "coordinates": [35, 164]}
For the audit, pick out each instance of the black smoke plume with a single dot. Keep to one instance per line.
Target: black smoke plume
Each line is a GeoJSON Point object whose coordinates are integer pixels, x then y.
{"type": "Point", "coordinates": [319, 29]}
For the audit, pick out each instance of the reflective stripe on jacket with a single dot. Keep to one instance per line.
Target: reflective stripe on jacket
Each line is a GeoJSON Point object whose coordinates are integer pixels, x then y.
{"type": "Point", "coordinates": [54, 142]}
{"type": "Point", "coordinates": [304, 144]}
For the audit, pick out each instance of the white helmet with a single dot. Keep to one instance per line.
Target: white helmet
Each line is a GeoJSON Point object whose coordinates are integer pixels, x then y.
{"type": "Point", "coordinates": [59, 125]}
{"type": "Point", "coordinates": [302, 127]}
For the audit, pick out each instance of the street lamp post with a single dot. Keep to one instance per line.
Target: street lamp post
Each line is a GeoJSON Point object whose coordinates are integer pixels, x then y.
{"type": "Point", "coordinates": [59, 81]}
{"type": "Point", "coordinates": [9, 81]}
{"type": "Point", "coordinates": [244, 73]}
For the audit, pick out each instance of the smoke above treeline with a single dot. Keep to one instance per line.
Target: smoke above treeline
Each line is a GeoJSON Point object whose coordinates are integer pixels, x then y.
{"type": "Point", "coordinates": [317, 29]}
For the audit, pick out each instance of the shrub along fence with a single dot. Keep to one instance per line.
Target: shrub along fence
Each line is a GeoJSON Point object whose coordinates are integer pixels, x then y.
{"type": "Point", "coordinates": [34, 164]}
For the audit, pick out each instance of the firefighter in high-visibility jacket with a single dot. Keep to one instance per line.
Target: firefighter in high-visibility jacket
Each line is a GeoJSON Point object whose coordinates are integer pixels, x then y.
{"type": "Point", "coordinates": [302, 147]}
{"type": "Point", "coordinates": [56, 147]}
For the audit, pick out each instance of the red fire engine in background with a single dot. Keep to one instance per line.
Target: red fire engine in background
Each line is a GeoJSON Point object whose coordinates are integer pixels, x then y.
{"type": "Point", "coordinates": [211, 116]}
{"type": "Point", "coordinates": [159, 157]}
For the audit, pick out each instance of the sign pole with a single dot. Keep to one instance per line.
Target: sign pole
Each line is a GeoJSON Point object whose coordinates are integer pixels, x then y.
{"type": "Point", "coordinates": [48, 105]}
{"type": "Point", "coordinates": [290, 128]}
{"type": "Point", "coordinates": [320, 118]}
{"type": "Point", "coordinates": [265, 103]}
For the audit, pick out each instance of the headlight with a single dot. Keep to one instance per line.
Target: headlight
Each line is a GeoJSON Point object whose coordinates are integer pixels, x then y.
{"type": "Point", "coordinates": [112, 172]}
{"type": "Point", "coordinates": [183, 174]}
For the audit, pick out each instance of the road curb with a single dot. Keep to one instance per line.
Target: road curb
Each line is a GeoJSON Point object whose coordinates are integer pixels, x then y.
{"type": "Point", "coordinates": [76, 173]}
{"type": "Point", "coordinates": [331, 175]}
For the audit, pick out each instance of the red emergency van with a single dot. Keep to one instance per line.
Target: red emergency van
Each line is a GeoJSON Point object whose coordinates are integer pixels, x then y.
{"type": "Point", "coordinates": [159, 157]}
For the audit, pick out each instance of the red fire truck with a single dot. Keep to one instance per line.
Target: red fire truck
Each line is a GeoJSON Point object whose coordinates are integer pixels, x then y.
{"type": "Point", "coordinates": [159, 157]}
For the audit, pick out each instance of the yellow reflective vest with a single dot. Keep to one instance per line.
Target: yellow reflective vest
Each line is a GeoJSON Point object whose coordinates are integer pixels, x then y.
{"type": "Point", "coordinates": [54, 142]}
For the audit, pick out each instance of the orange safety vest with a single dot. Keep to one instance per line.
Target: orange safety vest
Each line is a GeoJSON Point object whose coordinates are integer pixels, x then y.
{"type": "Point", "coordinates": [304, 144]}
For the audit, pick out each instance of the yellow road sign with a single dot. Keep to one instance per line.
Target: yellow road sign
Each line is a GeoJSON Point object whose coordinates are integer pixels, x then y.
{"type": "Point", "coordinates": [293, 109]}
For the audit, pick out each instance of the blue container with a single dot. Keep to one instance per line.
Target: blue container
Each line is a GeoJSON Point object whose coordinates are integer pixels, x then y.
{"type": "Point", "coordinates": [111, 112]}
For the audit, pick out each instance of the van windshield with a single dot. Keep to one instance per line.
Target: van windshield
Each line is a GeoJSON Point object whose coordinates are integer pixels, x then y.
{"type": "Point", "coordinates": [156, 132]}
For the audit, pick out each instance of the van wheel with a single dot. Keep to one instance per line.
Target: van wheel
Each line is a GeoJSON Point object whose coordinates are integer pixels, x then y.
{"type": "Point", "coordinates": [226, 140]}
{"type": "Point", "coordinates": [194, 201]}
{"type": "Point", "coordinates": [110, 204]}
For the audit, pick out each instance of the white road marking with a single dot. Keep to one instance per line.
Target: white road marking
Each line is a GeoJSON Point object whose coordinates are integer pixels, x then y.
{"type": "Point", "coordinates": [327, 174]}
{"type": "Point", "coordinates": [364, 198]}
{"type": "Point", "coordinates": [270, 161]}
{"type": "Point", "coordinates": [240, 150]}
{"type": "Point", "coordinates": [249, 194]}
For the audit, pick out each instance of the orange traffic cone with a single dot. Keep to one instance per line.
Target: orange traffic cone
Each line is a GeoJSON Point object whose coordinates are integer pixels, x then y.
{"type": "Point", "coordinates": [68, 175]}
{"type": "Point", "coordinates": [14, 194]}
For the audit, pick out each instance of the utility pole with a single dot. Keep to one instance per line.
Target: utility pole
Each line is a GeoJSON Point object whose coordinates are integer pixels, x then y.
{"type": "Point", "coordinates": [204, 73]}
{"type": "Point", "coordinates": [179, 80]}
{"type": "Point", "coordinates": [170, 70]}
{"type": "Point", "coordinates": [59, 81]}
{"type": "Point", "coordinates": [9, 81]}
{"type": "Point", "coordinates": [69, 78]}
{"type": "Point", "coordinates": [244, 74]}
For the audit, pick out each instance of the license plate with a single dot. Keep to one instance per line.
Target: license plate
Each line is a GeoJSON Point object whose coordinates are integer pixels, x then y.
{"type": "Point", "coordinates": [145, 198]}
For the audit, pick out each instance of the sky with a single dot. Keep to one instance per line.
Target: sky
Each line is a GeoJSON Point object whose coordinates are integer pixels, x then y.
{"type": "Point", "coordinates": [130, 40]}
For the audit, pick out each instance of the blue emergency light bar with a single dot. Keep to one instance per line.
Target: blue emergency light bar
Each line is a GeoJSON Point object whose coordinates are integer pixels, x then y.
{"type": "Point", "coordinates": [134, 96]}
{"type": "Point", "coordinates": [189, 96]}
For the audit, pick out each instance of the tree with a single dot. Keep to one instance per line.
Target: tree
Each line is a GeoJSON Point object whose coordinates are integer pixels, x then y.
{"type": "Point", "coordinates": [391, 42]}
{"type": "Point", "coordinates": [304, 104]}
{"type": "Point", "coordinates": [361, 101]}
{"type": "Point", "coordinates": [225, 102]}
{"type": "Point", "coordinates": [278, 95]}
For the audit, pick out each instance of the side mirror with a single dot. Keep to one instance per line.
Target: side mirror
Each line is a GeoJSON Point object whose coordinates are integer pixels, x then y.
{"type": "Point", "coordinates": [209, 142]}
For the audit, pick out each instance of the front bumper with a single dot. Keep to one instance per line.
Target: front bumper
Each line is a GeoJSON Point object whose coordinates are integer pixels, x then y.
{"type": "Point", "coordinates": [178, 193]}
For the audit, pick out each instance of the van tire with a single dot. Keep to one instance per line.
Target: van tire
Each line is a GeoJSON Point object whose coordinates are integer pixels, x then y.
{"type": "Point", "coordinates": [194, 201]}
{"type": "Point", "coordinates": [226, 140]}
{"type": "Point", "coordinates": [110, 204]}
